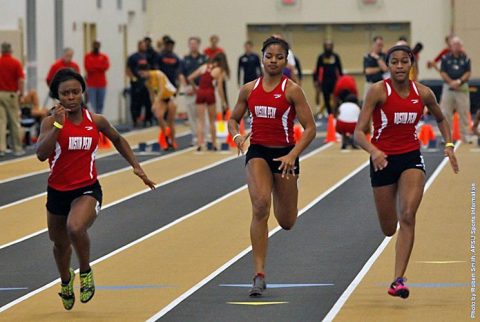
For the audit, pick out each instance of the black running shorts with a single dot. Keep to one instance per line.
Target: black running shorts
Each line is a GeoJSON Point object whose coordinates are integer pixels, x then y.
{"type": "Point", "coordinates": [268, 154]}
{"type": "Point", "coordinates": [59, 202]}
{"type": "Point", "coordinates": [396, 165]}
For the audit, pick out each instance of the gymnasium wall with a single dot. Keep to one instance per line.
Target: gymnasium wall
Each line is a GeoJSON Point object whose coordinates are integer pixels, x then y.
{"type": "Point", "coordinates": [429, 22]}
{"type": "Point", "coordinates": [467, 27]}
{"type": "Point", "coordinates": [113, 26]}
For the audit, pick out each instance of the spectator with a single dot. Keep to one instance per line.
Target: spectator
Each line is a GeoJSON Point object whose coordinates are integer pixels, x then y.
{"type": "Point", "coordinates": [96, 66]}
{"type": "Point", "coordinates": [248, 65]}
{"type": "Point", "coordinates": [433, 63]}
{"type": "Point", "coordinates": [347, 115]}
{"type": "Point", "coordinates": [66, 61]}
{"type": "Point", "coordinates": [139, 95]}
{"type": "Point", "coordinates": [191, 63]}
{"type": "Point", "coordinates": [327, 71]}
{"type": "Point", "coordinates": [211, 76]}
{"type": "Point", "coordinates": [346, 85]}
{"type": "Point", "coordinates": [11, 90]}
{"type": "Point", "coordinates": [455, 71]}
{"type": "Point", "coordinates": [374, 65]}
{"type": "Point", "coordinates": [213, 50]}
{"type": "Point", "coordinates": [151, 53]}
{"type": "Point", "coordinates": [168, 62]}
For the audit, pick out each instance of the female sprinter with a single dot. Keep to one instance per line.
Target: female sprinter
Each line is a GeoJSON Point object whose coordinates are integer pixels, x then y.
{"type": "Point", "coordinates": [69, 139]}
{"type": "Point", "coordinates": [162, 94]}
{"type": "Point", "coordinates": [211, 75]}
{"type": "Point", "coordinates": [272, 162]}
{"type": "Point", "coordinates": [397, 169]}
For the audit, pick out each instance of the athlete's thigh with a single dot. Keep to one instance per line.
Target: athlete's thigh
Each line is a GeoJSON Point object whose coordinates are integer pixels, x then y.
{"type": "Point", "coordinates": [259, 180]}
{"type": "Point", "coordinates": [386, 203]}
{"type": "Point", "coordinates": [285, 196]}
{"type": "Point", "coordinates": [83, 212]}
{"type": "Point", "coordinates": [57, 227]}
{"type": "Point", "coordinates": [172, 109]}
{"type": "Point", "coordinates": [410, 190]}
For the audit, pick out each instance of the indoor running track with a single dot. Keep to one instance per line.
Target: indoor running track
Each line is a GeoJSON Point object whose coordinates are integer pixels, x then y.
{"type": "Point", "coordinates": [181, 253]}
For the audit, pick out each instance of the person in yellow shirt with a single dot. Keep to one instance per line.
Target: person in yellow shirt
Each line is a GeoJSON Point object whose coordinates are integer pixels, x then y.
{"type": "Point", "coordinates": [162, 93]}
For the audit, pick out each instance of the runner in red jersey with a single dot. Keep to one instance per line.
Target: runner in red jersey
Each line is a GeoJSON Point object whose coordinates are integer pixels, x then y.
{"type": "Point", "coordinates": [397, 169]}
{"type": "Point", "coordinates": [211, 75]}
{"type": "Point", "coordinates": [69, 139]}
{"type": "Point", "coordinates": [272, 162]}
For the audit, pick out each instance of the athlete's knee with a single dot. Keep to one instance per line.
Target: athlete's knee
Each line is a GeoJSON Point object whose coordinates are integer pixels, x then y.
{"type": "Point", "coordinates": [288, 220]}
{"type": "Point", "coordinates": [407, 219]}
{"type": "Point", "coordinates": [75, 229]}
{"type": "Point", "coordinates": [261, 208]}
{"type": "Point", "coordinates": [389, 229]}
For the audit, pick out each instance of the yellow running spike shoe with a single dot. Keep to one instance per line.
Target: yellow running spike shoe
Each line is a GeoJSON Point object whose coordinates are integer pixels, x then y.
{"type": "Point", "coordinates": [87, 286]}
{"type": "Point", "coordinates": [66, 292]}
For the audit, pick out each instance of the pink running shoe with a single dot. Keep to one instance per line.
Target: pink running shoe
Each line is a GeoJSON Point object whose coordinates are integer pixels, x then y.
{"type": "Point", "coordinates": [398, 288]}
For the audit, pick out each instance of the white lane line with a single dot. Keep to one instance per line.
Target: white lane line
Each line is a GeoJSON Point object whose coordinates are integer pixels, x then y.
{"type": "Point", "coordinates": [163, 183]}
{"type": "Point", "coordinates": [107, 174]}
{"type": "Point", "coordinates": [100, 156]}
{"type": "Point", "coordinates": [356, 281]}
{"type": "Point", "coordinates": [179, 220]}
{"type": "Point", "coordinates": [207, 279]}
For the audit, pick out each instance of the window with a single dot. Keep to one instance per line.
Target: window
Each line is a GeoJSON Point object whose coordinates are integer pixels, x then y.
{"type": "Point", "coordinates": [99, 4]}
{"type": "Point", "coordinates": [119, 4]}
{"type": "Point", "coordinates": [144, 5]}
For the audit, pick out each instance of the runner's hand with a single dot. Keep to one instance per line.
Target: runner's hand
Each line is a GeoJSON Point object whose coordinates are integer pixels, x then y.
{"type": "Point", "coordinates": [450, 153]}
{"type": "Point", "coordinates": [379, 160]}
{"type": "Point", "coordinates": [139, 172]}
{"type": "Point", "coordinates": [59, 113]}
{"type": "Point", "coordinates": [240, 142]}
{"type": "Point", "coordinates": [287, 165]}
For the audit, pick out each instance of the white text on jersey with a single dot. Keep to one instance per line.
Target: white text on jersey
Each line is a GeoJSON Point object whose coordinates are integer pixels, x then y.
{"type": "Point", "coordinates": [405, 118]}
{"type": "Point", "coordinates": [265, 111]}
{"type": "Point", "coordinates": [79, 143]}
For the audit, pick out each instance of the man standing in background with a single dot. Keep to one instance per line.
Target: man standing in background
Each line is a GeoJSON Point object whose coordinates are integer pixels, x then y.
{"type": "Point", "coordinates": [248, 65]}
{"type": "Point", "coordinates": [455, 71]}
{"type": "Point", "coordinates": [374, 65]}
{"type": "Point", "coordinates": [327, 71]}
{"type": "Point", "coordinates": [190, 64]}
{"type": "Point", "coordinates": [96, 66]}
{"type": "Point", "coordinates": [139, 95]}
{"type": "Point", "coordinates": [12, 80]}
{"type": "Point", "coordinates": [66, 61]}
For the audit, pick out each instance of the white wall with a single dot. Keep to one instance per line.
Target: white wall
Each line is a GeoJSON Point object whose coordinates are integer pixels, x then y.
{"type": "Point", "coordinates": [430, 21]}
{"type": "Point", "coordinates": [108, 20]}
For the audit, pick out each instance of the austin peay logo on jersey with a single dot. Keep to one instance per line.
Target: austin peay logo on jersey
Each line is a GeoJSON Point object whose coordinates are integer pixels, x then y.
{"type": "Point", "coordinates": [405, 118]}
{"type": "Point", "coordinates": [79, 143]}
{"type": "Point", "coordinates": [265, 111]}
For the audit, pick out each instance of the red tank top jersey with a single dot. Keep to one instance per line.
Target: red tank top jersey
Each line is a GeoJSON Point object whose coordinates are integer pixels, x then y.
{"type": "Point", "coordinates": [72, 164]}
{"type": "Point", "coordinates": [394, 122]}
{"type": "Point", "coordinates": [206, 79]}
{"type": "Point", "coordinates": [271, 115]}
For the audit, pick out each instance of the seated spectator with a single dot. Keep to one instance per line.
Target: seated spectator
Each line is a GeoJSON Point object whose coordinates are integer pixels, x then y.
{"type": "Point", "coordinates": [344, 86]}
{"type": "Point", "coordinates": [347, 115]}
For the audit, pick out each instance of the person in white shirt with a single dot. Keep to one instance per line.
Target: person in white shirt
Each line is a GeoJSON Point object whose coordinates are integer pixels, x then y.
{"type": "Point", "coordinates": [347, 115]}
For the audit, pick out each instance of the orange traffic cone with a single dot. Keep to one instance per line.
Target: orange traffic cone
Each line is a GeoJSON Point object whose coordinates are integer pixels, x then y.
{"type": "Point", "coordinates": [104, 142]}
{"type": "Point", "coordinates": [297, 132]}
{"type": "Point", "coordinates": [426, 134]}
{"type": "Point", "coordinates": [331, 133]}
{"type": "Point", "coordinates": [456, 128]}
{"type": "Point", "coordinates": [227, 114]}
